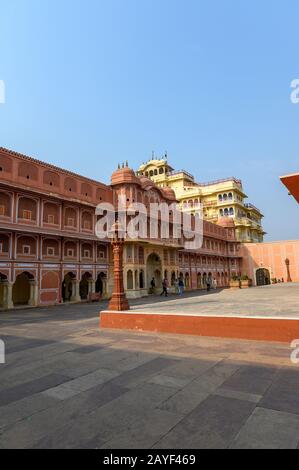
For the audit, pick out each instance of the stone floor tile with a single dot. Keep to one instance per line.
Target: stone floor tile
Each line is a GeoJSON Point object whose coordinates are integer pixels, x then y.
{"type": "Point", "coordinates": [268, 429]}
{"type": "Point", "coordinates": [29, 388]}
{"type": "Point", "coordinates": [212, 424]}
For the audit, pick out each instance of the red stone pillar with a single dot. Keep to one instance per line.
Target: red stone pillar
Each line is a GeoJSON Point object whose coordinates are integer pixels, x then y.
{"type": "Point", "coordinates": [118, 300]}
{"type": "Point", "coordinates": [287, 262]}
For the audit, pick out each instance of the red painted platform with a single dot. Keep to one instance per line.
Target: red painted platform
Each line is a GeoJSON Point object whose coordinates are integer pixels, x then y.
{"type": "Point", "coordinates": [241, 327]}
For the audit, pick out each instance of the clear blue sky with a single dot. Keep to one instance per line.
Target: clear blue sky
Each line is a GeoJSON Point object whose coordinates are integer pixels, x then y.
{"type": "Point", "coordinates": [91, 83]}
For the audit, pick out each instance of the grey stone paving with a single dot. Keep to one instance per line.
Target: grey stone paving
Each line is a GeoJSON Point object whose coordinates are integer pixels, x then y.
{"type": "Point", "coordinates": [68, 384]}
{"type": "Point", "coordinates": [258, 301]}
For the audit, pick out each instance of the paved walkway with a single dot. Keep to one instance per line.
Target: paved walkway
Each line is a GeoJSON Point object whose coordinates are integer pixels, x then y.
{"type": "Point", "coordinates": [279, 300]}
{"type": "Point", "coordinates": [68, 384]}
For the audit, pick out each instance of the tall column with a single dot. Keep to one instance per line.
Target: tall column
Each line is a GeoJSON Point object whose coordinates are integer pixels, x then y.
{"type": "Point", "coordinates": [118, 300]}
{"type": "Point", "coordinates": [91, 287]}
{"type": "Point", "coordinates": [33, 293]}
{"type": "Point", "coordinates": [75, 291]}
{"type": "Point", "coordinates": [287, 262]}
{"type": "Point", "coordinates": [7, 295]}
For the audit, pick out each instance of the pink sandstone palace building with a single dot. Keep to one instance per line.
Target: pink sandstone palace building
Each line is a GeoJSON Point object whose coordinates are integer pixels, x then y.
{"type": "Point", "coordinates": [50, 254]}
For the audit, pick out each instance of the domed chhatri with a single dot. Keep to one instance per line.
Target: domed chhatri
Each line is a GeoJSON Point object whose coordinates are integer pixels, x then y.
{"type": "Point", "coordinates": [169, 193]}
{"type": "Point", "coordinates": [146, 182]}
{"type": "Point", "coordinates": [124, 175]}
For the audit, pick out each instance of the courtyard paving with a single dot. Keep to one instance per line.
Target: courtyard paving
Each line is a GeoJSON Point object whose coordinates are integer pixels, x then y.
{"type": "Point", "coordinates": [278, 300]}
{"type": "Point", "coordinates": [68, 384]}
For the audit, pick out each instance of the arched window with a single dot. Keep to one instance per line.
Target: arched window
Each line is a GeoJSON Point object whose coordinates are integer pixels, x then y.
{"type": "Point", "coordinates": [70, 217]}
{"type": "Point", "coordinates": [70, 185]}
{"type": "Point", "coordinates": [27, 209]}
{"type": "Point", "coordinates": [129, 253]}
{"type": "Point", "coordinates": [231, 211]}
{"type": "Point", "coordinates": [129, 279]}
{"type": "Point", "coordinates": [51, 213]}
{"type": "Point", "coordinates": [141, 255]}
{"type": "Point", "coordinates": [5, 204]}
{"type": "Point", "coordinates": [86, 190]}
{"type": "Point", "coordinates": [230, 196]}
{"type": "Point", "coordinates": [155, 172]}
{"type": "Point", "coordinates": [50, 247]}
{"type": "Point", "coordinates": [221, 212]}
{"type": "Point", "coordinates": [161, 170]}
{"type": "Point", "coordinates": [5, 164]}
{"type": "Point", "coordinates": [141, 279]}
{"type": "Point", "coordinates": [220, 197]}
{"type": "Point", "coordinates": [225, 211]}
{"type": "Point", "coordinates": [52, 179]}
{"type": "Point", "coordinates": [151, 173]}
{"type": "Point", "coordinates": [28, 171]}
{"type": "Point", "coordinates": [86, 220]}
{"type": "Point", "coordinates": [224, 197]}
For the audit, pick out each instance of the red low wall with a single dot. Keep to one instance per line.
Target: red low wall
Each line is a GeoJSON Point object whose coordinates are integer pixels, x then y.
{"type": "Point", "coordinates": [263, 329]}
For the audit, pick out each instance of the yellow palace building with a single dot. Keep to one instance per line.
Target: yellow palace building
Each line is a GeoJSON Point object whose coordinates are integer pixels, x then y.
{"type": "Point", "coordinates": [224, 197]}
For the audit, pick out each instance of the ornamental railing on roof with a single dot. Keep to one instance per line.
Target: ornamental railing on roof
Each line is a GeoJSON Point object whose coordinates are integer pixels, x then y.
{"type": "Point", "coordinates": [177, 172]}
{"type": "Point", "coordinates": [224, 180]}
{"type": "Point", "coordinates": [251, 206]}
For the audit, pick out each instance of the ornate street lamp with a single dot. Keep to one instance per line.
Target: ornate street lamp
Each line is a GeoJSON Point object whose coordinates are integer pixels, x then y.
{"type": "Point", "coordinates": [118, 300]}
{"type": "Point", "coordinates": [287, 262]}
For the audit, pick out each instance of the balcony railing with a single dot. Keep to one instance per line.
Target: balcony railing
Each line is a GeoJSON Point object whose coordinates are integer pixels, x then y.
{"type": "Point", "coordinates": [251, 206]}
{"type": "Point", "coordinates": [209, 203]}
{"type": "Point", "coordinates": [177, 172]}
{"type": "Point", "coordinates": [224, 180]}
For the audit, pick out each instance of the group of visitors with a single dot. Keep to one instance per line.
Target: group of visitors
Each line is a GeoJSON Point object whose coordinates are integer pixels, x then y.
{"type": "Point", "coordinates": [211, 283]}
{"type": "Point", "coordinates": [180, 286]}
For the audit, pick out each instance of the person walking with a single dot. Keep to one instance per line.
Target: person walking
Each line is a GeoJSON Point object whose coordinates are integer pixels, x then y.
{"type": "Point", "coordinates": [215, 283]}
{"type": "Point", "coordinates": [209, 282]}
{"type": "Point", "coordinates": [181, 286]}
{"type": "Point", "coordinates": [153, 285]}
{"type": "Point", "coordinates": [164, 286]}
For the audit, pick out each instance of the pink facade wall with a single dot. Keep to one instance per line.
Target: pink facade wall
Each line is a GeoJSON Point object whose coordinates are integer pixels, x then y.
{"type": "Point", "coordinates": [272, 256]}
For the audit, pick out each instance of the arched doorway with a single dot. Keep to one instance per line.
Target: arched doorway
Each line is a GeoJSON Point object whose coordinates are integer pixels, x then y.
{"type": "Point", "coordinates": [199, 281]}
{"type": "Point", "coordinates": [187, 281]}
{"type": "Point", "coordinates": [100, 283]}
{"type": "Point", "coordinates": [141, 279]}
{"type": "Point", "coordinates": [67, 287]}
{"type": "Point", "coordinates": [84, 286]}
{"type": "Point", "coordinates": [130, 279]}
{"type": "Point", "coordinates": [262, 277]}
{"type": "Point", "coordinates": [154, 270]}
{"type": "Point", "coordinates": [3, 279]}
{"type": "Point", "coordinates": [21, 289]}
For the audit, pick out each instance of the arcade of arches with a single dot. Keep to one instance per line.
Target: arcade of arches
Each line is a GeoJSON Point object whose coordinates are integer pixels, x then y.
{"type": "Point", "coordinates": [24, 290]}
{"type": "Point", "coordinates": [158, 264]}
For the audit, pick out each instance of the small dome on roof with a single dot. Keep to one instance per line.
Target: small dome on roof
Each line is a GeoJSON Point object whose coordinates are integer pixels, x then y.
{"type": "Point", "coordinates": [124, 175]}
{"type": "Point", "coordinates": [146, 183]}
{"type": "Point", "coordinates": [169, 193]}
